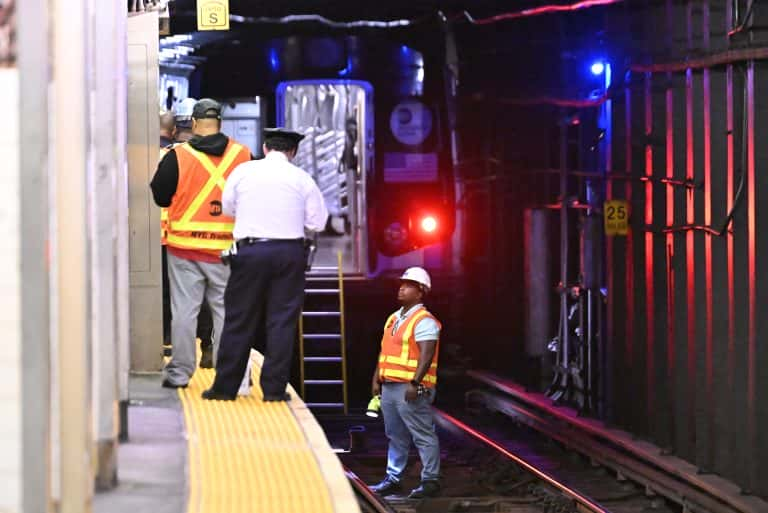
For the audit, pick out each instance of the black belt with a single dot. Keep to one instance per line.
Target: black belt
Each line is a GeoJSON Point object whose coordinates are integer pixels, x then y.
{"type": "Point", "coordinates": [259, 240]}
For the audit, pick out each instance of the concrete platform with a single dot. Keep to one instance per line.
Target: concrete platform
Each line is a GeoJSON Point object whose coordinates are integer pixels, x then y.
{"type": "Point", "coordinates": [187, 455]}
{"type": "Point", "coordinates": [152, 465]}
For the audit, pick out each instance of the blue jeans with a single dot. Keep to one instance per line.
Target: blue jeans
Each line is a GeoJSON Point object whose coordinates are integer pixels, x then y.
{"type": "Point", "coordinates": [404, 422]}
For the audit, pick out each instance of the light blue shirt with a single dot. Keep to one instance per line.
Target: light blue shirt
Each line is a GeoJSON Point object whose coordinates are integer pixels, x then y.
{"type": "Point", "coordinates": [425, 330]}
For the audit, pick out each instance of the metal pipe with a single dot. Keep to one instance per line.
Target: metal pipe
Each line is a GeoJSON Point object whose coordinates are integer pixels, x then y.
{"type": "Point", "coordinates": [709, 61]}
{"type": "Point", "coordinates": [564, 335]}
{"type": "Point", "coordinates": [752, 205]}
{"type": "Point", "coordinates": [590, 342]}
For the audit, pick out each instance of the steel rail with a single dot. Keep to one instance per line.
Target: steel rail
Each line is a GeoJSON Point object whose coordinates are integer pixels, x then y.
{"type": "Point", "coordinates": [581, 499]}
{"type": "Point", "coordinates": [582, 436]}
{"type": "Point", "coordinates": [365, 494]}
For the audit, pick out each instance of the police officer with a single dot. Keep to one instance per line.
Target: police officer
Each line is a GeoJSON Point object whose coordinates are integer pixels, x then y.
{"type": "Point", "coordinates": [189, 181]}
{"type": "Point", "coordinates": [405, 377]}
{"type": "Point", "coordinates": [273, 202]}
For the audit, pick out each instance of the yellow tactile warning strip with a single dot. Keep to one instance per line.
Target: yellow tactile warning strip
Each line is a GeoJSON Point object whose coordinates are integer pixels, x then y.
{"type": "Point", "coordinates": [250, 456]}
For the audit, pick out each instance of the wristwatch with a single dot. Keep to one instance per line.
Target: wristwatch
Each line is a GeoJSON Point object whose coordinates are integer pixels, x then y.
{"type": "Point", "coordinates": [415, 383]}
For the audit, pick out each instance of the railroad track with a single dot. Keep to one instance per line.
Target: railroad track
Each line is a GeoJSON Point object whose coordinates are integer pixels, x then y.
{"type": "Point", "coordinates": [368, 500]}
{"type": "Point", "coordinates": [491, 466]}
{"type": "Point", "coordinates": [659, 474]}
{"type": "Point", "coordinates": [505, 452]}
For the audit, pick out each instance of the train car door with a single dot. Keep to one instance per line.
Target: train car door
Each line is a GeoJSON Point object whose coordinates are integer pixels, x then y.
{"type": "Point", "coordinates": [337, 118]}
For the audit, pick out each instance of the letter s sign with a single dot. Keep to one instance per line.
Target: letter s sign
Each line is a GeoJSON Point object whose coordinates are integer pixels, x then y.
{"type": "Point", "coordinates": [213, 14]}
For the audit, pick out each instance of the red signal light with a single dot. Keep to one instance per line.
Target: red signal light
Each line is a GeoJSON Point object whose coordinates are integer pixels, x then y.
{"type": "Point", "coordinates": [429, 224]}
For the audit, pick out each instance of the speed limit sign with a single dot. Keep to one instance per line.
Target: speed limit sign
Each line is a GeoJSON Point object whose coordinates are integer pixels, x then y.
{"type": "Point", "coordinates": [616, 213]}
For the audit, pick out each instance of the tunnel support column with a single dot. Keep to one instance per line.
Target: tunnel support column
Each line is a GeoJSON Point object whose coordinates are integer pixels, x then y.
{"type": "Point", "coordinates": [71, 173]}
{"type": "Point", "coordinates": [146, 305]}
{"type": "Point", "coordinates": [33, 64]}
{"type": "Point", "coordinates": [538, 290]}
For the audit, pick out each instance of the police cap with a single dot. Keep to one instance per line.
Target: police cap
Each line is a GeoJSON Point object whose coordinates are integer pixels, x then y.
{"type": "Point", "coordinates": [282, 133]}
{"type": "Point", "coordinates": [207, 109]}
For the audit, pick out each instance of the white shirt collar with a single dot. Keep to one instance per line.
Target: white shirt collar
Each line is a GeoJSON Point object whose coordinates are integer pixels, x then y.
{"type": "Point", "coordinates": [405, 314]}
{"type": "Point", "coordinates": [276, 155]}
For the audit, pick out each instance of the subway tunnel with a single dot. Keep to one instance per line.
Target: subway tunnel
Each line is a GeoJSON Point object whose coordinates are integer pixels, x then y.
{"type": "Point", "coordinates": [583, 181]}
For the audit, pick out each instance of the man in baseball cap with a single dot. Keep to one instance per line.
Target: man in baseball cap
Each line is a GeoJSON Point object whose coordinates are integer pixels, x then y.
{"type": "Point", "coordinates": [197, 231]}
{"type": "Point", "coordinates": [207, 109]}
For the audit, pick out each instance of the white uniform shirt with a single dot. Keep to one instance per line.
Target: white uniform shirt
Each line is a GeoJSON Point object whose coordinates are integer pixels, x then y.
{"type": "Point", "coordinates": [273, 199]}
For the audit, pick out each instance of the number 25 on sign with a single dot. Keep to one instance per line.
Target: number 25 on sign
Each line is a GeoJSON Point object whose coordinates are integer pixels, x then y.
{"type": "Point", "coordinates": [212, 14]}
{"type": "Point", "coordinates": [616, 213]}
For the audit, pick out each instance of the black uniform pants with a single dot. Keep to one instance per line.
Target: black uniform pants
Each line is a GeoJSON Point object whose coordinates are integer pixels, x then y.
{"type": "Point", "coordinates": [265, 288]}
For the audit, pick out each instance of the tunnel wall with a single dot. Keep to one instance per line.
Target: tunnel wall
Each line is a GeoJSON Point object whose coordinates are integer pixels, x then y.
{"type": "Point", "coordinates": [689, 284]}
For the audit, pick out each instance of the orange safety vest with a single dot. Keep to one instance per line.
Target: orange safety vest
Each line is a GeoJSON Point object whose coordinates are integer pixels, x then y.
{"type": "Point", "coordinates": [399, 355]}
{"type": "Point", "coordinates": [195, 218]}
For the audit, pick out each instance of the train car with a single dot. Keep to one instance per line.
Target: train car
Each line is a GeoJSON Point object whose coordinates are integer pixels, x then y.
{"type": "Point", "coordinates": [374, 113]}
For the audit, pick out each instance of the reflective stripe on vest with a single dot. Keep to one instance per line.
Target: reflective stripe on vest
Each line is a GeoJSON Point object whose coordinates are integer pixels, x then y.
{"type": "Point", "coordinates": [216, 180]}
{"type": "Point", "coordinates": [198, 242]}
{"type": "Point", "coordinates": [403, 366]}
{"type": "Point", "coordinates": [164, 210]}
{"type": "Point", "coordinates": [189, 226]}
{"type": "Point", "coordinates": [163, 226]}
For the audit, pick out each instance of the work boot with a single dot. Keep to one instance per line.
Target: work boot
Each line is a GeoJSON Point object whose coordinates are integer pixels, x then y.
{"type": "Point", "coordinates": [277, 397]}
{"type": "Point", "coordinates": [387, 487]}
{"type": "Point", "coordinates": [213, 395]}
{"type": "Point", "coordinates": [425, 489]}
{"type": "Point", "coordinates": [169, 384]}
{"type": "Point", "coordinates": [206, 360]}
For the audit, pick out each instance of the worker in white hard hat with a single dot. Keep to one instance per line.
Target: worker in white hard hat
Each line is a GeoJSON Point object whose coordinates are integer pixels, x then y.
{"type": "Point", "coordinates": [184, 119]}
{"type": "Point", "coordinates": [405, 377]}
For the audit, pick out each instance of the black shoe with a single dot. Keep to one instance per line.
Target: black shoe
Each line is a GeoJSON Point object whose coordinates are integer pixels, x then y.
{"type": "Point", "coordinates": [168, 384]}
{"type": "Point", "coordinates": [274, 398]}
{"type": "Point", "coordinates": [425, 489]}
{"type": "Point", "coordinates": [213, 395]}
{"type": "Point", "coordinates": [387, 487]}
{"type": "Point", "coordinates": [206, 360]}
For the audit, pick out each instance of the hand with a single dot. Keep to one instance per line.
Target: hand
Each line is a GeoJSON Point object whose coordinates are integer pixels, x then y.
{"type": "Point", "coordinates": [375, 388]}
{"type": "Point", "coordinates": [411, 393]}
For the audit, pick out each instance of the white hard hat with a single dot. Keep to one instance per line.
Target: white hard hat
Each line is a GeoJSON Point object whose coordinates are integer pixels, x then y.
{"type": "Point", "coordinates": [184, 109]}
{"type": "Point", "coordinates": [419, 275]}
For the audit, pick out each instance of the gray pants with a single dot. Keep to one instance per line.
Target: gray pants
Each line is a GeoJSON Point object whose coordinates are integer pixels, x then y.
{"type": "Point", "coordinates": [404, 422]}
{"type": "Point", "coordinates": [191, 282]}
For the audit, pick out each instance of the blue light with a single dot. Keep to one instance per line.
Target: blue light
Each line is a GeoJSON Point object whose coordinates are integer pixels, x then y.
{"type": "Point", "coordinates": [274, 59]}
{"type": "Point", "coordinates": [597, 68]}
{"type": "Point", "coordinates": [346, 71]}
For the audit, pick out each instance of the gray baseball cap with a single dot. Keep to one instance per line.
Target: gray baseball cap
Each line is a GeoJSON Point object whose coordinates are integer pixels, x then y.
{"type": "Point", "coordinates": [207, 109]}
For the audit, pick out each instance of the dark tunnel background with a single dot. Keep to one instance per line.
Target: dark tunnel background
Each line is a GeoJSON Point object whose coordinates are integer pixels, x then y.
{"type": "Point", "coordinates": [683, 352]}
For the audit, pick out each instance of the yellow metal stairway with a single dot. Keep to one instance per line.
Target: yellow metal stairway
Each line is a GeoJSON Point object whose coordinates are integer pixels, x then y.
{"type": "Point", "coordinates": [322, 342]}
